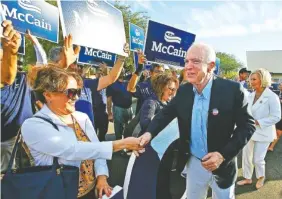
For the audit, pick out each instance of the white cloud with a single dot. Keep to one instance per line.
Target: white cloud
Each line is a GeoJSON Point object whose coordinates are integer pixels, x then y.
{"type": "Point", "coordinates": [162, 3]}
{"type": "Point", "coordinates": [230, 30]}
{"type": "Point", "coordinates": [234, 19]}
{"type": "Point", "coordinates": [137, 4]}
{"type": "Point", "coordinates": [145, 4]}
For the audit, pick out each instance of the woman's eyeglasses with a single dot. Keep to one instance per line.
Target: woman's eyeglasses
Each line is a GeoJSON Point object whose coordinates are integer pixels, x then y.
{"type": "Point", "coordinates": [172, 89]}
{"type": "Point", "coordinates": [71, 93]}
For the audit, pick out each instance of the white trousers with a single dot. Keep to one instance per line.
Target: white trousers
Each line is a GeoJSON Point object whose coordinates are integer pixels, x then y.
{"type": "Point", "coordinates": [253, 157]}
{"type": "Point", "coordinates": [198, 180]}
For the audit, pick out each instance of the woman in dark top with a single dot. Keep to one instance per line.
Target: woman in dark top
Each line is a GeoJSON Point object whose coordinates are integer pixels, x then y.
{"type": "Point", "coordinates": [144, 169]}
{"type": "Point", "coordinates": [279, 124]}
{"type": "Point", "coordinates": [164, 87]}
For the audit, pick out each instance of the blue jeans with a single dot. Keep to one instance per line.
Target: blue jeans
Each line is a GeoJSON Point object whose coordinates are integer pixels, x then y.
{"type": "Point", "coordinates": [121, 118]}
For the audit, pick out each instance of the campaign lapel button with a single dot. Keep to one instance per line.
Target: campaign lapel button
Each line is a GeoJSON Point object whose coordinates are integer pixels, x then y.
{"type": "Point", "coordinates": [215, 111]}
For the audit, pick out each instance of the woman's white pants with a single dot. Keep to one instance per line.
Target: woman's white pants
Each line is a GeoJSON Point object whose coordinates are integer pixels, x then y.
{"type": "Point", "coordinates": [253, 157]}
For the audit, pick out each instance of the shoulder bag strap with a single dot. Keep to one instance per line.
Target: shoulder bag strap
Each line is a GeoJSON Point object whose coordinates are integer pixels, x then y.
{"type": "Point", "coordinates": [15, 148]}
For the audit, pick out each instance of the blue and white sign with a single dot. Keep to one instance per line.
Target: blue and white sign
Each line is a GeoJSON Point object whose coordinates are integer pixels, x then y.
{"type": "Point", "coordinates": [95, 57]}
{"type": "Point", "coordinates": [166, 44]}
{"type": "Point", "coordinates": [135, 60]}
{"type": "Point", "coordinates": [21, 50]}
{"type": "Point", "coordinates": [148, 66]}
{"type": "Point", "coordinates": [136, 37]}
{"type": "Point", "coordinates": [93, 23]}
{"type": "Point", "coordinates": [217, 66]}
{"type": "Point", "coordinates": [41, 18]}
{"type": "Point", "coordinates": [2, 18]}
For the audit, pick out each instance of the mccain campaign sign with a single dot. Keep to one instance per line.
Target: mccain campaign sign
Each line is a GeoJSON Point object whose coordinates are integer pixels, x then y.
{"type": "Point", "coordinates": [95, 57]}
{"type": "Point", "coordinates": [166, 44]}
{"type": "Point", "coordinates": [41, 18]}
{"type": "Point", "coordinates": [93, 23]}
{"type": "Point", "coordinates": [147, 66]}
{"type": "Point", "coordinates": [136, 37]}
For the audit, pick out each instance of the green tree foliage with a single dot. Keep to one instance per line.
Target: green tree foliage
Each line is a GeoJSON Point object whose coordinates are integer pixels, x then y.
{"type": "Point", "coordinates": [230, 75]}
{"type": "Point", "coordinates": [138, 18]}
{"type": "Point", "coordinates": [228, 64]}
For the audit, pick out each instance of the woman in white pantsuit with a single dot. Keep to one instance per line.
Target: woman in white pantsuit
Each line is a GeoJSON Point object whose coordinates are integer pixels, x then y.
{"type": "Point", "coordinates": [265, 108]}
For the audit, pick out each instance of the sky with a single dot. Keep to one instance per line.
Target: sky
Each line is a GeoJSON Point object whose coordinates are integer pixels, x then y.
{"type": "Point", "coordinates": [233, 27]}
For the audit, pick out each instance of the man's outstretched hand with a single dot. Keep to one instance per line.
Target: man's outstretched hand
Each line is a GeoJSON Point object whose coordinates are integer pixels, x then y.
{"type": "Point", "coordinates": [144, 140]}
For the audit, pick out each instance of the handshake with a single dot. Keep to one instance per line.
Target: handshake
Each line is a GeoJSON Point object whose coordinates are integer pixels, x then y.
{"type": "Point", "coordinates": [133, 144]}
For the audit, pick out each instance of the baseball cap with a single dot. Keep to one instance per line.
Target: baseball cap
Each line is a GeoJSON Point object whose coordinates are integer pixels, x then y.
{"type": "Point", "coordinates": [244, 70]}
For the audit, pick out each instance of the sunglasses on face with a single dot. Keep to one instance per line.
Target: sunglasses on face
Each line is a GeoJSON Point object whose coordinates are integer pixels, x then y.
{"type": "Point", "coordinates": [172, 89]}
{"type": "Point", "coordinates": [71, 93]}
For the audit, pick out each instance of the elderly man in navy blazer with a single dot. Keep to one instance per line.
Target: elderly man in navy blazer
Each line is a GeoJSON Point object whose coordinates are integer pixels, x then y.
{"type": "Point", "coordinates": [214, 125]}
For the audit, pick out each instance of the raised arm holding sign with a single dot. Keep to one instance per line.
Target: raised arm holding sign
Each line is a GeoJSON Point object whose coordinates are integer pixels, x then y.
{"type": "Point", "coordinates": [10, 43]}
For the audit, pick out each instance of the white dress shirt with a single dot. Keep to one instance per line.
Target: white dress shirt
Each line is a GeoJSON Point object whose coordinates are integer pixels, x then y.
{"type": "Point", "coordinates": [45, 142]}
{"type": "Point", "coordinates": [41, 58]}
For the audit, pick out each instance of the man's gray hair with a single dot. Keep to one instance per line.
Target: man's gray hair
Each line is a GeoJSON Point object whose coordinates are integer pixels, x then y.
{"type": "Point", "coordinates": [208, 51]}
{"type": "Point", "coordinates": [54, 54]}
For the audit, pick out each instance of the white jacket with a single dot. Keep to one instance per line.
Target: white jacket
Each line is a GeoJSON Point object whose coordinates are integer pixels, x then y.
{"type": "Point", "coordinates": [45, 142]}
{"type": "Point", "coordinates": [267, 112]}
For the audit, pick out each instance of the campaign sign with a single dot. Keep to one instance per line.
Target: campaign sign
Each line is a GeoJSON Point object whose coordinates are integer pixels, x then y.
{"type": "Point", "coordinates": [41, 18]}
{"type": "Point", "coordinates": [148, 66]}
{"type": "Point", "coordinates": [217, 66]}
{"type": "Point", "coordinates": [95, 57]}
{"type": "Point", "coordinates": [92, 23]}
{"type": "Point", "coordinates": [2, 18]}
{"type": "Point", "coordinates": [166, 44]}
{"type": "Point", "coordinates": [135, 59]}
{"type": "Point", "coordinates": [21, 50]}
{"type": "Point", "coordinates": [136, 37]}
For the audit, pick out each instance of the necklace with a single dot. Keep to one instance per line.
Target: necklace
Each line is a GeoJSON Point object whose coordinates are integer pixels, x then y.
{"type": "Point", "coordinates": [66, 120]}
{"type": "Point", "coordinates": [257, 96]}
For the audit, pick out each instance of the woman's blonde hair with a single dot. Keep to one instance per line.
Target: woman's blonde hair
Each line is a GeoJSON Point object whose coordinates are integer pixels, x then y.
{"type": "Point", "coordinates": [160, 81]}
{"type": "Point", "coordinates": [264, 75]}
{"type": "Point", "coordinates": [51, 79]}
